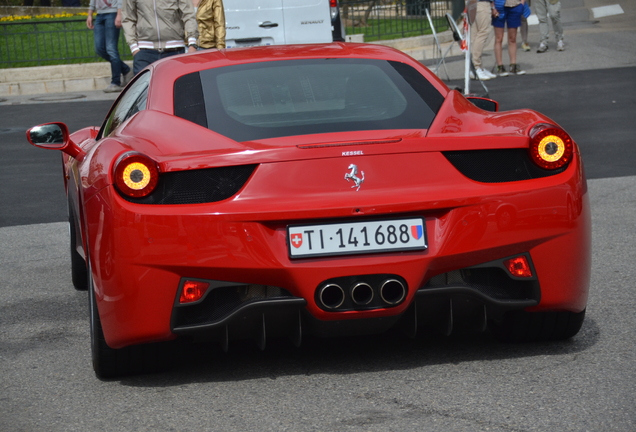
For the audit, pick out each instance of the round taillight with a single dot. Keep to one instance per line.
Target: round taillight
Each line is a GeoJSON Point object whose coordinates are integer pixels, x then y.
{"type": "Point", "coordinates": [550, 146]}
{"type": "Point", "coordinates": [136, 175]}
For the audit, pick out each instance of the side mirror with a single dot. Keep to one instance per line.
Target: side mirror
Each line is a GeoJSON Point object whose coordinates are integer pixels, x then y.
{"type": "Point", "coordinates": [54, 136]}
{"type": "Point", "coordinates": [484, 103]}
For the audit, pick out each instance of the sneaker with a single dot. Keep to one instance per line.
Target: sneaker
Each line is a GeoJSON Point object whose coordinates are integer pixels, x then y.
{"type": "Point", "coordinates": [113, 88]}
{"type": "Point", "coordinates": [516, 70]}
{"type": "Point", "coordinates": [125, 78]}
{"type": "Point", "coordinates": [501, 71]}
{"type": "Point", "coordinates": [483, 75]}
{"type": "Point", "coordinates": [560, 46]}
{"type": "Point", "coordinates": [490, 74]}
{"type": "Point", "coordinates": [525, 46]}
{"type": "Point", "coordinates": [542, 48]}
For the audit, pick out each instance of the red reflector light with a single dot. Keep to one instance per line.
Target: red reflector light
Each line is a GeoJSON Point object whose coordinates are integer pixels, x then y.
{"type": "Point", "coordinates": [193, 291]}
{"type": "Point", "coordinates": [519, 266]}
{"type": "Point", "coordinates": [333, 3]}
{"type": "Point", "coordinates": [136, 175]}
{"type": "Point", "coordinates": [550, 146]}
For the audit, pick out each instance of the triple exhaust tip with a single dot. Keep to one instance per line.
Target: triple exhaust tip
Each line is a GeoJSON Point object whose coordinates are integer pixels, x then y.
{"type": "Point", "coordinates": [333, 296]}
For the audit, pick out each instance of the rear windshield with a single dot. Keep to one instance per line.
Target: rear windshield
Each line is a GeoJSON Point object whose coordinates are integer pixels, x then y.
{"type": "Point", "coordinates": [297, 97]}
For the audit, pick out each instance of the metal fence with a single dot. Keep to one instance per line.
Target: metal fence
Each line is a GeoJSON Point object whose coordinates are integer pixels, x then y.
{"type": "Point", "coordinates": [392, 19]}
{"type": "Point", "coordinates": [46, 42]}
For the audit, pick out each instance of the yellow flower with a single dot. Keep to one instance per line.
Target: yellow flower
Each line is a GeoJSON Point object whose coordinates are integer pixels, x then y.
{"type": "Point", "coordinates": [43, 16]}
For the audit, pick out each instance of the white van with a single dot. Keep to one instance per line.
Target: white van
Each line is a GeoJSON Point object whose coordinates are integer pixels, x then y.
{"type": "Point", "coordinates": [278, 22]}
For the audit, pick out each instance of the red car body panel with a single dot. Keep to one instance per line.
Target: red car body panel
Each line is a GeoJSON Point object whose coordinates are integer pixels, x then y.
{"type": "Point", "coordinates": [143, 252]}
{"type": "Point", "coordinates": [139, 253]}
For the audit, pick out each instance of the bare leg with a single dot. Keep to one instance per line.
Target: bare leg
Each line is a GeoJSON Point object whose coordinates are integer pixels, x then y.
{"type": "Point", "coordinates": [512, 45]}
{"type": "Point", "coordinates": [499, 33]}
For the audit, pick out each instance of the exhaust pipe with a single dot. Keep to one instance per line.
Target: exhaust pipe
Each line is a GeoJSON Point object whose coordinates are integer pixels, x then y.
{"type": "Point", "coordinates": [362, 293]}
{"type": "Point", "coordinates": [331, 296]}
{"type": "Point", "coordinates": [392, 291]}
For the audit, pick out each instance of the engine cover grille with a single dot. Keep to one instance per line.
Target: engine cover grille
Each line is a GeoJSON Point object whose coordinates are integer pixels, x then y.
{"type": "Point", "coordinates": [498, 165]}
{"type": "Point", "coordinates": [197, 186]}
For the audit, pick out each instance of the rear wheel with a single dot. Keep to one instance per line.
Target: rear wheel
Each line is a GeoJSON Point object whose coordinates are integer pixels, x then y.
{"type": "Point", "coordinates": [79, 275]}
{"type": "Point", "coordinates": [112, 363]}
{"type": "Point", "coordinates": [521, 326]}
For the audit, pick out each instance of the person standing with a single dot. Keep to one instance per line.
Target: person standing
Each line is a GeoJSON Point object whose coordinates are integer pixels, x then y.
{"type": "Point", "coordinates": [106, 35]}
{"type": "Point", "coordinates": [211, 23]}
{"type": "Point", "coordinates": [482, 28]}
{"type": "Point", "coordinates": [157, 29]}
{"type": "Point", "coordinates": [524, 26]}
{"type": "Point", "coordinates": [508, 14]}
{"type": "Point", "coordinates": [543, 8]}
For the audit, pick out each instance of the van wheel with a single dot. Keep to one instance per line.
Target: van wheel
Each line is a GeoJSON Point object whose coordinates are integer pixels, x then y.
{"type": "Point", "coordinates": [521, 326]}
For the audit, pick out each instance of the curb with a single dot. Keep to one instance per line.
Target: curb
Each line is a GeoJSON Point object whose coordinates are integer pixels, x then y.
{"type": "Point", "coordinates": [54, 79]}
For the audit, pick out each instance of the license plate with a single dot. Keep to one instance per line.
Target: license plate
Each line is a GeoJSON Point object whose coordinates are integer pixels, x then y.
{"type": "Point", "coordinates": [356, 237]}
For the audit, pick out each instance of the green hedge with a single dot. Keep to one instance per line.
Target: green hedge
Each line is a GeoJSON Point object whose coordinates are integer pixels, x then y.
{"type": "Point", "coordinates": [54, 3]}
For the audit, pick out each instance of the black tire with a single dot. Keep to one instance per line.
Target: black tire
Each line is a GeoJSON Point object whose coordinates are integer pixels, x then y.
{"type": "Point", "coordinates": [111, 363]}
{"type": "Point", "coordinates": [79, 274]}
{"type": "Point", "coordinates": [521, 326]}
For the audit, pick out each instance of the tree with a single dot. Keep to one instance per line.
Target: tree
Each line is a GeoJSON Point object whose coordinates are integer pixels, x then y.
{"type": "Point", "coordinates": [355, 21]}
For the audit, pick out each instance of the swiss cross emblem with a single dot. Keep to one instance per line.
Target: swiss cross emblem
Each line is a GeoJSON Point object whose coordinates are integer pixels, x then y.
{"type": "Point", "coordinates": [297, 240]}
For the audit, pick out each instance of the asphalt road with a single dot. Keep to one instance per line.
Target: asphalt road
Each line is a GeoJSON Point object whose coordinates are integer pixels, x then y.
{"type": "Point", "coordinates": [381, 383]}
{"type": "Point", "coordinates": [461, 383]}
{"type": "Point", "coordinates": [32, 188]}
{"type": "Point", "coordinates": [596, 107]}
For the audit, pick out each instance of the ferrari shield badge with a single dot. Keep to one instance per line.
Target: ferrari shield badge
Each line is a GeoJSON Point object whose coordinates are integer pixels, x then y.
{"type": "Point", "coordinates": [353, 176]}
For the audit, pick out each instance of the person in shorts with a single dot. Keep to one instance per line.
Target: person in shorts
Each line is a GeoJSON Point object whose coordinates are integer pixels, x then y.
{"type": "Point", "coordinates": [508, 15]}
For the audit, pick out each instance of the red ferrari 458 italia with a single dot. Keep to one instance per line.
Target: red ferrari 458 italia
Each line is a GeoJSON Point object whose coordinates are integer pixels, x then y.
{"type": "Point", "coordinates": [337, 189]}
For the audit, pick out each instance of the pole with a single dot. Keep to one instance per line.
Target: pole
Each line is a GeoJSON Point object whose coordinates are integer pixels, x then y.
{"type": "Point", "coordinates": [467, 60]}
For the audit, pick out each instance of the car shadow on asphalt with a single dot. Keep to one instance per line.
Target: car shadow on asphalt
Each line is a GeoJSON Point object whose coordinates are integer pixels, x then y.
{"type": "Point", "coordinates": [205, 362]}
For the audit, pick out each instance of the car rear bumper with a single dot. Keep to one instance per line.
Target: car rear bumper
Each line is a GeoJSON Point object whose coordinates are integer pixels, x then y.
{"type": "Point", "coordinates": [140, 256]}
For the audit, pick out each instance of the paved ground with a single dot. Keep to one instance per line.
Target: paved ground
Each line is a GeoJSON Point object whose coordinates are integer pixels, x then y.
{"type": "Point", "coordinates": [591, 43]}
{"type": "Point", "coordinates": [381, 384]}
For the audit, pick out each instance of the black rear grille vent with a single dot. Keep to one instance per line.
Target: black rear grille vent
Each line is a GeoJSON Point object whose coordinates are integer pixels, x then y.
{"type": "Point", "coordinates": [223, 301]}
{"type": "Point", "coordinates": [197, 186]}
{"type": "Point", "coordinates": [489, 281]}
{"type": "Point", "coordinates": [498, 165]}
